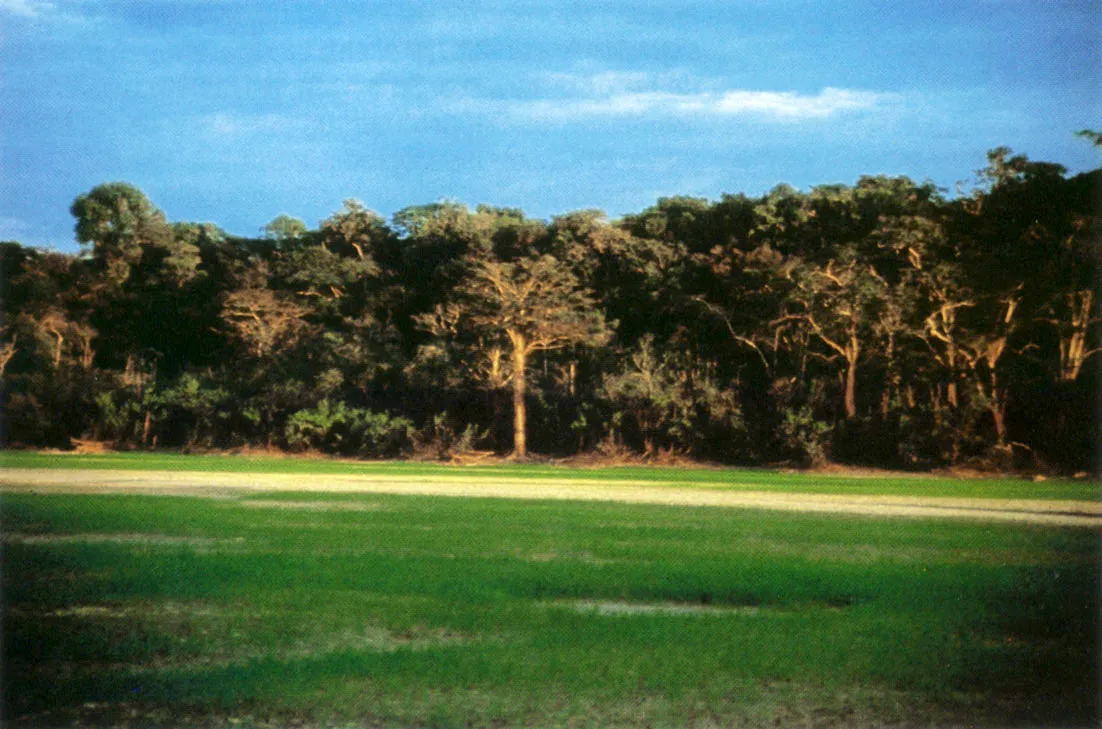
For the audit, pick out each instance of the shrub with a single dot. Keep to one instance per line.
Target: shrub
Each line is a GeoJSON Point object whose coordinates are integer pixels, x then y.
{"type": "Point", "coordinates": [193, 412]}
{"type": "Point", "coordinates": [348, 431]}
{"type": "Point", "coordinates": [808, 439]}
{"type": "Point", "coordinates": [440, 439]}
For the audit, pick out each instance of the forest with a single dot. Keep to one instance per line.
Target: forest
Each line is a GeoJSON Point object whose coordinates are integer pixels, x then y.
{"type": "Point", "coordinates": [886, 324]}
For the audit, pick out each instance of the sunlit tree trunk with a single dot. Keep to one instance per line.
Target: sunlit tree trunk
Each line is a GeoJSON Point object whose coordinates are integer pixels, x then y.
{"type": "Point", "coordinates": [59, 347]}
{"type": "Point", "coordinates": [998, 412]}
{"type": "Point", "coordinates": [851, 387]}
{"type": "Point", "coordinates": [147, 427]}
{"type": "Point", "coordinates": [7, 351]}
{"type": "Point", "coordinates": [989, 389]}
{"type": "Point", "coordinates": [520, 377]}
{"type": "Point", "coordinates": [1073, 342]}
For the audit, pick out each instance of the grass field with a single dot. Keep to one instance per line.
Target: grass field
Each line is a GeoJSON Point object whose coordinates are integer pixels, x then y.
{"type": "Point", "coordinates": [719, 478]}
{"type": "Point", "coordinates": [382, 610]}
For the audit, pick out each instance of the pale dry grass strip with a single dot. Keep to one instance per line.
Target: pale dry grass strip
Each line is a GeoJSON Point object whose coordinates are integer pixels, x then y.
{"type": "Point", "coordinates": [160, 540]}
{"type": "Point", "coordinates": [617, 608]}
{"type": "Point", "coordinates": [221, 484]}
{"type": "Point", "coordinates": [313, 505]}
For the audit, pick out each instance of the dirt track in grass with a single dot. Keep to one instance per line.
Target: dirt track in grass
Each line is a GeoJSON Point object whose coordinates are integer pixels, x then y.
{"type": "Point", "coordinates": [214, 485]}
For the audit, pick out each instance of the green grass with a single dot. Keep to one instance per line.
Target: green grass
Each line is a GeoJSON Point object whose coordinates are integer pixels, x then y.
{"type": "Point", "coordinates": [717, 478]}
{"type": "Point", "coordinates": [421, 611]}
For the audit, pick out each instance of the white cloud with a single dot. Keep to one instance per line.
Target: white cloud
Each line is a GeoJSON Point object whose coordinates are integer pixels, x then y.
{"type": "Point", "coordinates": [776, 105]}
{"type": "Point", "coordinates": [595, 94]}
{"type": "Point", "coordinates": [828, 102]}
{"type": "Point", "coordinates": [26, 8]}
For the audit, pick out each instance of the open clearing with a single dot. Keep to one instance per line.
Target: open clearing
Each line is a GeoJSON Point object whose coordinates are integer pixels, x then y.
{"type": "Point", "coordinates": [154, 598]}
{"type": "Point", "coordinates": [577, 488]}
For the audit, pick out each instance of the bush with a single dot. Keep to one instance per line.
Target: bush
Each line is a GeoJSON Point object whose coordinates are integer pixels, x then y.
{"type": "Point", "coordinates": [194, 412]}
{"type": "Point", "coordinates": [440, 439]}
{"type": "Point", "coordinates": [120, 418]}
{"type": "Point", "coordinates": [348, 431]}
{"type": "Point", "coordinates": [803, 434]}
{"type": "Point", "coordinates": [671, 400]}
{"type": "Point", "coordinates": [46, 409]}
{"type": "Point", "coordinates": [807, 439]}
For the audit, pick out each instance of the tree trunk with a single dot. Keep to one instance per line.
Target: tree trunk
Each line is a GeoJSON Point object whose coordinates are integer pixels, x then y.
{"type": "Point", "coordinates": [87, 354]}
{"type": "Point", "coordinates": [520, 374]}
{"type": "Point", "coordinates": [892, 384]}
{"type": "Point", "coordinates": [60, 345]}
{"type": "Point", "coordinates": [851, 390]}
{"type": "Point", "coordinates": [1073, 347]}
{"type": "Point", "coordinates": [951, 392]}
{"type": "Point", "coordinates": [996, 405]}
{"type": "Point", "coordinates": [998, 411]}
{"type": "Point", "coordinates": [7, 351]}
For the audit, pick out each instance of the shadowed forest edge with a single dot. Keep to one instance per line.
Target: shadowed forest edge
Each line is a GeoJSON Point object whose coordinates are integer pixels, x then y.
{"type": "Point", "coordinates": [880, 324]}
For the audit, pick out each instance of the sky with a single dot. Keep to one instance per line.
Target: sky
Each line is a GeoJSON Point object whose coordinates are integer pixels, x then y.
{"type": "Point", "coordinates": [235, 111]}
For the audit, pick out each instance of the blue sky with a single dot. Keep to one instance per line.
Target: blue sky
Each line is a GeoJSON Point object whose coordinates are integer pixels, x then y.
{"type": "Point", "coordinates": [234, 112]}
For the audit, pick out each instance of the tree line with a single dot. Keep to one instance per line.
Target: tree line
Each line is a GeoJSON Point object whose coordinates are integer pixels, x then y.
{"type": "Point", "coordinates": [882, 323]}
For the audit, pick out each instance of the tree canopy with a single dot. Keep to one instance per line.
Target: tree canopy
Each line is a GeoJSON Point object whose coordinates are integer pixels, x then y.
{"type": "Point", "coordinates": [880, 323]}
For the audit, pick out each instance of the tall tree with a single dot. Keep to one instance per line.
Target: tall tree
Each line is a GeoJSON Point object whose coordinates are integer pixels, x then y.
{"type": "Point", "coordinates": [119, 222]}
{"type": "Point", "coordinates": [284, 229]}
{"type": "Point", "coordinates": [533, 304]}
{"type": "Point", "coordinates": [838, 305]}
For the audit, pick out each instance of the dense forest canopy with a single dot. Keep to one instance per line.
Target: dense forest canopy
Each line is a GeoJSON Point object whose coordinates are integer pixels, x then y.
{"type": "Point", "coordinates": [882, 323]}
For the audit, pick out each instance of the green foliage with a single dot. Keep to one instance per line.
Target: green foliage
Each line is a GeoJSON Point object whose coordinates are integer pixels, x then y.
{"type": "Point", "coordinates": [671, 399]}
{"type": "Point", "coordinates": [802, 434]}
{"type": "Point", "coordinates": [906, 329]}
{"type": "Point", "coordinates": [930, 437]}
{"type": "Point", "coordinates": [284, 229]}
{"type": "Point", "coordinates": [118, 421]}
{"type": "Point", "coordinates": [348, 431]}
{"type": "Point", "coordinates": [805, 437]}
{"type": "Point", "coordinates": [193, 411]}
{"type": "Point", "coordinates": [120, 223]}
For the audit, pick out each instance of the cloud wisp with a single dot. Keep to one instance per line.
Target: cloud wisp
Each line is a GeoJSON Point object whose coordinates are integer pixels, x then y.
{"type": "Point", "coordinates": [232, 125]}
{"type": "Point", "coordinates": [25, 8]}
{"type": "Point", "coordinates": [636, 94]}
{"type": "Point", "coordinates": [782, 105]}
